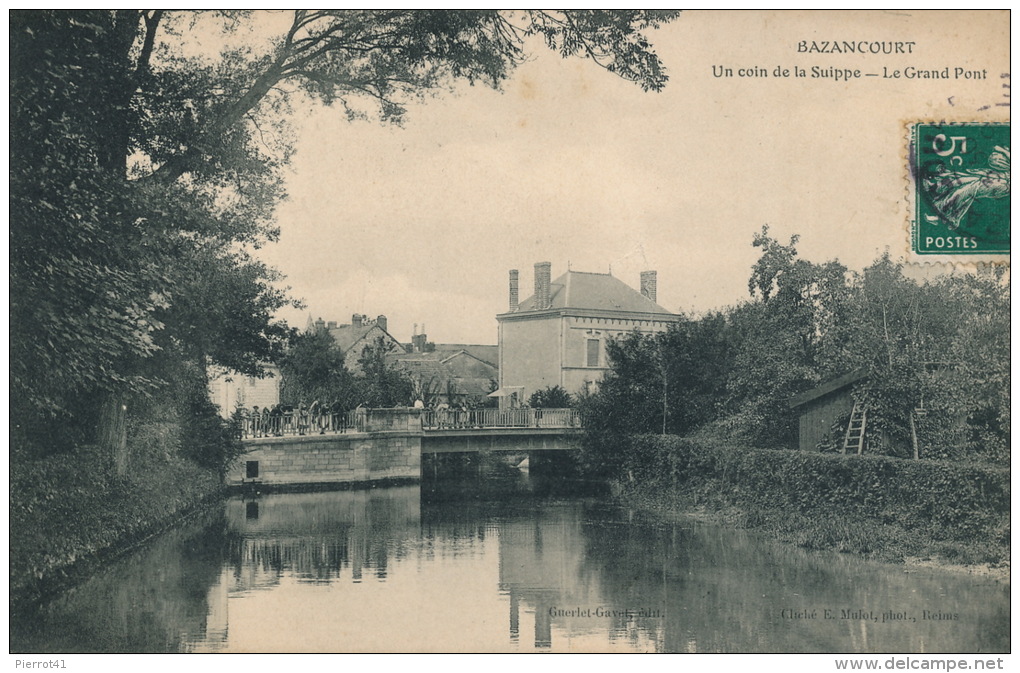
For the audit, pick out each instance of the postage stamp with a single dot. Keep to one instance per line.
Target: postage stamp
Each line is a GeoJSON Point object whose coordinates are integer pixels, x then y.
{"type": "Point", "coordinates": [960, 175]}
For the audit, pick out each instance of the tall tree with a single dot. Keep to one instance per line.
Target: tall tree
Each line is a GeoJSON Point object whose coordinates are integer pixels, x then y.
{"type": "Point", "coordinates": [777, 339]}
{"type": "Point", "coordinates": [313, 369]}
{"type": "Point", "coordinates": [131, 153]}
{"type": "Point", "coordinates": [382, 384]}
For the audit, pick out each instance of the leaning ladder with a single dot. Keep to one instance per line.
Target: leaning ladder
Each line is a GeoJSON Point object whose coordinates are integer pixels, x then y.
{"type": "Point", "coordinates": [855, 430]}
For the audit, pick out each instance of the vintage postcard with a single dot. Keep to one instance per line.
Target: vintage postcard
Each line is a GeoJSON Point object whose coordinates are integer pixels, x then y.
{"type": "Point", "coordinates": [419, 331]}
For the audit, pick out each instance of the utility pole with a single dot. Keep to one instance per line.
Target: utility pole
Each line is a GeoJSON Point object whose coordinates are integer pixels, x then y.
{"type": "Point", "coordinates": [665, 383]}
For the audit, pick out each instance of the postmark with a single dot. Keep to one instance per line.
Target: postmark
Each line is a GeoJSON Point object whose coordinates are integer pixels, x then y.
{"type": "Point", "coordinates": [960, 174]}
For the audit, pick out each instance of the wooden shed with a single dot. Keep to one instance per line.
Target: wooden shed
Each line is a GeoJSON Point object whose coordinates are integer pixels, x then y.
{"type": "Point", "coordinates": [820, 407]}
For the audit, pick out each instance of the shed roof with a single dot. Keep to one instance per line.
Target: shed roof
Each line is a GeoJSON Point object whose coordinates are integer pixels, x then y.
{"type": "Point", "coordinates": [829, 386]}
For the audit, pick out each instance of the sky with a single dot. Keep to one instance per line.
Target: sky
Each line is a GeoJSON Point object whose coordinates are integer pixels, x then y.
{"type": "Point", "coordinates": [572, 165]}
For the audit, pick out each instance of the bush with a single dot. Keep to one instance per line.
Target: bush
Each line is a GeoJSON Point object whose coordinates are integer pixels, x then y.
{"type": "Point", "coordinates": [948, 500]}
{"type": "Point", "coordinates": [209, 440]}
{"type": "Point", "coordinates": [552, 397]}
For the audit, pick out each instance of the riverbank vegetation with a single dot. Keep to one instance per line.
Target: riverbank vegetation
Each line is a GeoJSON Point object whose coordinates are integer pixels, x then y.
{"type": "Point", "coordinates": [70, 510]}
{"type": "Point", "coordinates": [71, 505]}
{"type": "Point", "coordinates": [878, 506]}
{"type": "Point", "coordinates": [932, 356]}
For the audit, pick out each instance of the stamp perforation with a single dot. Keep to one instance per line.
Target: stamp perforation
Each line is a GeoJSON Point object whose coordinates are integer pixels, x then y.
{"type": "Point", "coordinates": [942, 191]}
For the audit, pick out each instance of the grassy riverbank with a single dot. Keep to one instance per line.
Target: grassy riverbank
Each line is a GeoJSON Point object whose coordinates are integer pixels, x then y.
{"type": "Point", "coordinates": [68, 511]}
{"type": "Point", "coordinates": [884, 508]}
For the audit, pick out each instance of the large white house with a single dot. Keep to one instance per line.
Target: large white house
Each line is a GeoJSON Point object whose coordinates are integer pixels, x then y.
{"type": "Point", "coordinates": [558, 336]}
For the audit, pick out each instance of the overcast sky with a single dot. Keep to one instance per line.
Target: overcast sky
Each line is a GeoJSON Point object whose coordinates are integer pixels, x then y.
{"type": "Point", "coordinates": [570, 164]}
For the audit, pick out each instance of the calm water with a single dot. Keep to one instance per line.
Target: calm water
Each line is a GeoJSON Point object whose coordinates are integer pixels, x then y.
{"type": "Point", "coordinates": [498, 560]}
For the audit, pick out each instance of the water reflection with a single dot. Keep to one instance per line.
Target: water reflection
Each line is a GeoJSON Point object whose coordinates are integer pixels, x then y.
{"type": "Point", "coordinates": [319, 537]}
{"type": "Point", "coordinates": [157, 599]}
{"type": "Point", "coordinates": [499, 562]}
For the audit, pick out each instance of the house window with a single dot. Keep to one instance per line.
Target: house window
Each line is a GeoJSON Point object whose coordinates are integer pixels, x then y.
{"type": "Point", "coordinates": [593, 352]}
{"type": "Point", "coordinates": [251, 469]}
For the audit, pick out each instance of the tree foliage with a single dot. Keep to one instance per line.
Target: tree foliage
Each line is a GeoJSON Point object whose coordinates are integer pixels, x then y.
{"type": "Point", "coordinates": [313, 368]}
{"type": "Point", "coordinates": [550, 397]}
{"type": "Point", "coordinates": [935, 351]}
{"type": "Point", "coordinates": [383, 385]}
{"type": "Point", "coordinates": [145, 170]}
{"type": "Point", "coordinates": [672, 382]}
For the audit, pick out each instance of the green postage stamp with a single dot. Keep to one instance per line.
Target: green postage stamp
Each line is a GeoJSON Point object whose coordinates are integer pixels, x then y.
{"type": "Point", "coordinates": [960, 173]}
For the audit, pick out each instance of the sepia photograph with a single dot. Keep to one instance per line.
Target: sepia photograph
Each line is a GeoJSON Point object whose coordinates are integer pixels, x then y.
{"type": "Point", "coordinates": [510, 331]}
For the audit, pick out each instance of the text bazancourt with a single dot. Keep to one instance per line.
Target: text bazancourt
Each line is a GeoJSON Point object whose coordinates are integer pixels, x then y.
{"type": "Point", "coordinates": [854, 47]}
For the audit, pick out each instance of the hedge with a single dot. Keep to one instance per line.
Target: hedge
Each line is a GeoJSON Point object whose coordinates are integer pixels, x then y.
{"type": "Point", "coordinates": [952, 500]}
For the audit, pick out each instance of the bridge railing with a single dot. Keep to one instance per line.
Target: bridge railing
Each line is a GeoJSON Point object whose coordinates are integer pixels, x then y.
{"type": "Point", "coordinates": [466, 419]}
{"type": "Point", "coordinates": [298, 422]}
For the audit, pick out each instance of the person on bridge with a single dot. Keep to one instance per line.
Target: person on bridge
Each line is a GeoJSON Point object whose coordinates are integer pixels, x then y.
{"type": "Point", "coordinates": [318, 416]}
{"type": "Point", "coordinates": [276, 421]}
{"type": "Point", "coordinates": [256, 421]}
{"type": "Point", "coordinates": [266, 421]}
{"type": "Point", "coordinates": [339, 417]}
{"type": "Point", "coordinates": [240, 416]}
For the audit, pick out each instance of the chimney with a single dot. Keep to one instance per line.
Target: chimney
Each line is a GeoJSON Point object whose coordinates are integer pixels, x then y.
{"type": "Point", "coordinates": [543, 278]}
{"type": "Point", "coordinates": [418, 343]}
{"type": "Point", "coordinates": [514, 293]}
{"type": "Point", "coordinates": [356, 320]}
{"type": "Point", "coordinates": [320, 325]}
{"type": "Point", "coordinates": [648, 284]}
{"type": "Point", "coordinates": [381, 322]}
{"type": "Point", "coordinates": [331, 324]}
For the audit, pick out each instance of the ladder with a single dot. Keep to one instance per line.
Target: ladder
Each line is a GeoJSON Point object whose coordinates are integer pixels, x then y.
{"type": "Point", "coordinates": [855, 430]}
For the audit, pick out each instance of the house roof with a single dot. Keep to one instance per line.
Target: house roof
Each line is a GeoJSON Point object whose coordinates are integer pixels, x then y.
{"type": "Point", "coordinates": [476, 386]}
{"type": "Point", "coordinates": [595, 291]}
{"type": "Point", "coordinates": [485, 353]}
{"type": "Point", "coordinates": [346, 336]}
{"type": "Point", "coordinates": [469, 374]}
{"type": "Point", "coordinates": [829, 386]}
{"type": "Point", "coordinates": [419, 366]}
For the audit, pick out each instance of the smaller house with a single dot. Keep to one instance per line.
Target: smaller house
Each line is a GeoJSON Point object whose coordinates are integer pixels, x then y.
{"type": "Point", "coordinates": [352, 338]}
{"type": "Point", "coordinates": [450, 373]}
{"type": "Point", "coordinates": [820, 407]}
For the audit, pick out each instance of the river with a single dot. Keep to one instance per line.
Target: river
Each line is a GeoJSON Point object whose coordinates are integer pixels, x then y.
{"type": "Point", "coordinates": [497, 559]}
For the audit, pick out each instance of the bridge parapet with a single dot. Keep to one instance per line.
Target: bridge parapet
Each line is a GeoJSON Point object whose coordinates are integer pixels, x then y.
{"type": "Point", "coordinates": [401, 419]}
{"type": "Point", "coordinates": [303, 422]}
{"type": "Point", "coordinates": [472, 419]}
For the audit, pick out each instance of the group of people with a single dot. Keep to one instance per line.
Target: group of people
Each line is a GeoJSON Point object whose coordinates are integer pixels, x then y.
{"type": "Point", "coordinates": [317, 418]}
{"type": "Point", "coordinates": [456, 415]}
{"type": "Point", "coordinates": [284, 419]}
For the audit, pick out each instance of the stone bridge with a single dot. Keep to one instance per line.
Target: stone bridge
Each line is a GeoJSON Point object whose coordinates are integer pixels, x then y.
{"type": "Point", "coordinates": [306, 450]}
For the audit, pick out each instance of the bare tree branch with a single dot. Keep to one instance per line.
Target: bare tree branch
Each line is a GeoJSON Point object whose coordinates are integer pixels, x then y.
{"type": "Point", "coordinates": [151, 24]}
